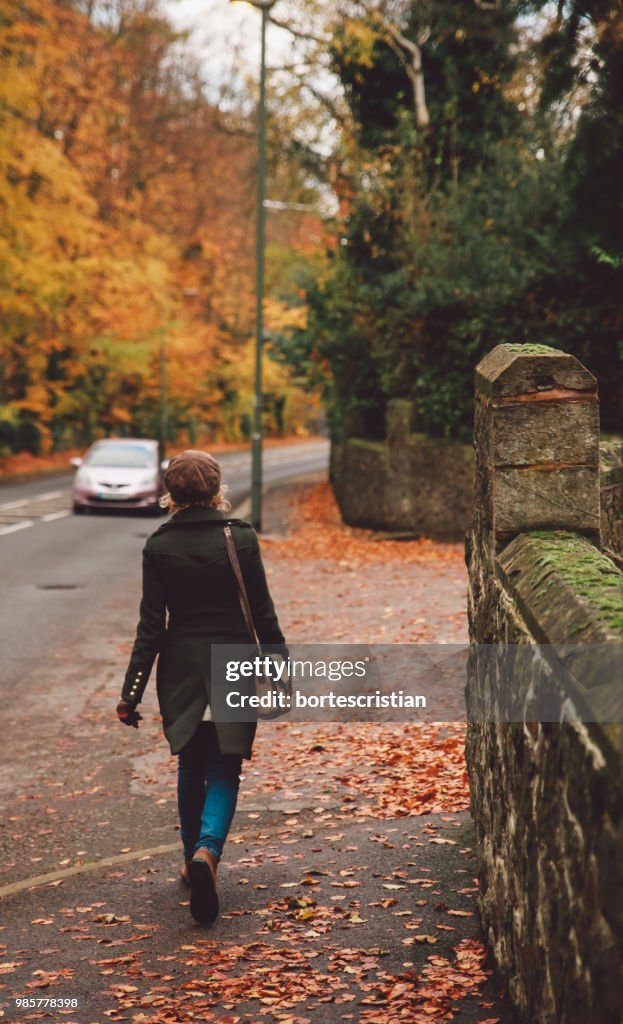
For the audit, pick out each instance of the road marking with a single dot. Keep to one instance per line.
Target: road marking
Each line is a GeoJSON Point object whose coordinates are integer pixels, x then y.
{"type": "Point", "coordinates": [106, 862]}
{"type": "Point", "coordinates": [26, 511]}
{"type": "Point", "coordinates": [48, 496]}
{"type": "Point", "coordinates": [16, 526]}
{"type": "Point", "coordinates": [14, 504]}
{"type": "Point", "coordinates": [291, 807]}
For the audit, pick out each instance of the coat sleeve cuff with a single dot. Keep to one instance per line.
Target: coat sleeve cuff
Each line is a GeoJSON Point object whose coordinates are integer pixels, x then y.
{"type": "Point", "coordinates": [134, 686]}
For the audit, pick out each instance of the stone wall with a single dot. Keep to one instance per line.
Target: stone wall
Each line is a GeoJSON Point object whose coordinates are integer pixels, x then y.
{"type": "Point", "coordinates": [611, 463]}
{"type": "Point", "coordinates": [415, 484]}
{"type": "Point", "coordinates": [409, 483]}
{"type": "Point", "coordinates": [547, 789]}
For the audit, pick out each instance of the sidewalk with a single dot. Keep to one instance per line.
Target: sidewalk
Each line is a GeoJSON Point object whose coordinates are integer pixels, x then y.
{"type": "Point", "coordinates": [347, 887]}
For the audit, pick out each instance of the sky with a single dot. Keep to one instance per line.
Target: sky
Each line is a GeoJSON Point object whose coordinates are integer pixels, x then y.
{"type": "Point", "coordinates": [227, 38]}
{"type": "Point", "coordinates": [220, 30]}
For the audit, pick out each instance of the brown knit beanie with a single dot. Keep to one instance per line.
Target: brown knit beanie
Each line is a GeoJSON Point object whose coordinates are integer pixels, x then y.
{"type": "Point", "coordinates": [193, 477]}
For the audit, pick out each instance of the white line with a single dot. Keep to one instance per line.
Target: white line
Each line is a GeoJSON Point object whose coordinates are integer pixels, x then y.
{"type": "Point", "coordinates": [15, 504]}
{"type": "Point", "coordinates": [16, 526]}
{"type": "Point", "coordinates": [122, 858]}
{"type": "Point", "coordinates": [106, 862]}
{"type": "Point", "coordinates": [48, 496]}
{"type": "Point", "coordinates": [32, 522]}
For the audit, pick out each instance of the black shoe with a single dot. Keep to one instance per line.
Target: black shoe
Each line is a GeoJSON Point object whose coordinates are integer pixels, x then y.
{"type": "Point", "coordinates": [203, 895]}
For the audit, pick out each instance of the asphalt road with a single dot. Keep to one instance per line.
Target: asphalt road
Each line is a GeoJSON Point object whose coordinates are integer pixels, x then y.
{"type": "Point", "coordinates": [59, 571]}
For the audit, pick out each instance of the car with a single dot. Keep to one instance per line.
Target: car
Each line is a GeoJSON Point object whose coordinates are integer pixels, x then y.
{"type": "Point", "coordinates": [121, 473]}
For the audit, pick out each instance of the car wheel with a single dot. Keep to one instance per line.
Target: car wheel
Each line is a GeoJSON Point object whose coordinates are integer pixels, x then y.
{"type": "Point", "coordinates": [78, 510]}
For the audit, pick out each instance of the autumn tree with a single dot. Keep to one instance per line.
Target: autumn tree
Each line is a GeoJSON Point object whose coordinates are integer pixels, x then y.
{"type": "Point", "coordinates": [465, 188]}
{"type": "Point", "coordinates": [128, 208]}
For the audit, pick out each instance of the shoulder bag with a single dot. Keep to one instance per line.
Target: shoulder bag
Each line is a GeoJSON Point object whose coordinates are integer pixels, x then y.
{"type": "Point", "coordinates": [263, 683]}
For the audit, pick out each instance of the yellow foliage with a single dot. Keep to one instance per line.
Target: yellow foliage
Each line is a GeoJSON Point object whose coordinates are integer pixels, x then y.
{"type": "Point", "coordinates": [126, 218]}
{"type": "Point", "coordinates": [281, 318]}
{"type": "Point", "coordinates": [359, 37]}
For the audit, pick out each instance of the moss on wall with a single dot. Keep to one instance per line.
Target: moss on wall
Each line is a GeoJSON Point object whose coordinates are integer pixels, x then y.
{"type": "Point", "coordinates": [590, 574]}
{"type": "Point", "coordinates": [531, 349]}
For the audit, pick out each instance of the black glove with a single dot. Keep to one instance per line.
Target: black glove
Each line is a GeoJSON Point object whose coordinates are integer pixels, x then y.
{"type": "Point", "coordinates": [127, 713]}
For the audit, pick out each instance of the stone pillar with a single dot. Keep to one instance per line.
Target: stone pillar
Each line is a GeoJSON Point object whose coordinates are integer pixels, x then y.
{"type": "Point", "coordinates": [399, 421]}
{"type": "Point", "coordinates": [536, 435]}
{"type": "Point", "coordinates": [537, 425]}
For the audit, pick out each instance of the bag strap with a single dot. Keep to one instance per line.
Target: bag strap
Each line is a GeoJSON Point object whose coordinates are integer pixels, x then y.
{"type": "Point", "coordinates": [242, 590]}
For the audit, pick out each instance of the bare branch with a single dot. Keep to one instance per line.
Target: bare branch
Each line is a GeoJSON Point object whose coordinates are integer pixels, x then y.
{"type": "Point", "coordinates": [340, 116]}
{"type": "Point", "coordinates": [407, 44]}
{"type": "Point", "coordinates": [298, 33]}
{"type": "Point", "coordinates": [401, 45]}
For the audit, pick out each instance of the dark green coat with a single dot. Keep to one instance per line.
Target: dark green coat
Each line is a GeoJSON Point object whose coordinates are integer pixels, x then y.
{"type": "Point", "coordinates": [186, 571]}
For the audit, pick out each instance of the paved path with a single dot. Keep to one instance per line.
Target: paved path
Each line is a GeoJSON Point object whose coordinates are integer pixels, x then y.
{"type": "Point", "coordinates": [341, 901]}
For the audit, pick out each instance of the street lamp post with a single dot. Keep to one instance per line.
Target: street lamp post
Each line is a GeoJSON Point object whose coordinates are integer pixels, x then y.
{"type": "Point", "coordinates": [256, 450]}
{"type": "Point", "coordinates": [164, 408]}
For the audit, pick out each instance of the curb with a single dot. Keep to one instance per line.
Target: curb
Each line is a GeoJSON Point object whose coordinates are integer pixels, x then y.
{"type": "Point", "coordinates": [79, 869]}
{"type": "Point", "coordinates": [253, 808]}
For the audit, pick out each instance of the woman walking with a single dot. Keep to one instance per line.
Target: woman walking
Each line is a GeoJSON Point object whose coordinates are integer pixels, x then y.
{"type": "Point", "coordinates": [187, 572]}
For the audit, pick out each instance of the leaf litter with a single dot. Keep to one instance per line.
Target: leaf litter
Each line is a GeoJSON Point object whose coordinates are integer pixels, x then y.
{"type": "Point", "coordinates": [290, 958]}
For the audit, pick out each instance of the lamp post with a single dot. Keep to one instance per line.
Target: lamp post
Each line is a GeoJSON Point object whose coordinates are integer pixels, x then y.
{"type": "Point", "coordinates": [256, 451]}
{"type": "Point", "coordinates": [164, 407]}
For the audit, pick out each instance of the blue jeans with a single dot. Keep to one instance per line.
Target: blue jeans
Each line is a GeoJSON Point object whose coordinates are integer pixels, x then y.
{"type": "Point", "coordinates": [207, 791]}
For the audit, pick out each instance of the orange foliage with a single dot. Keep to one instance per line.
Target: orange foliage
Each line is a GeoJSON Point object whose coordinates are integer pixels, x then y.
{"type": "Point", "coordinates": [130, 222]}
